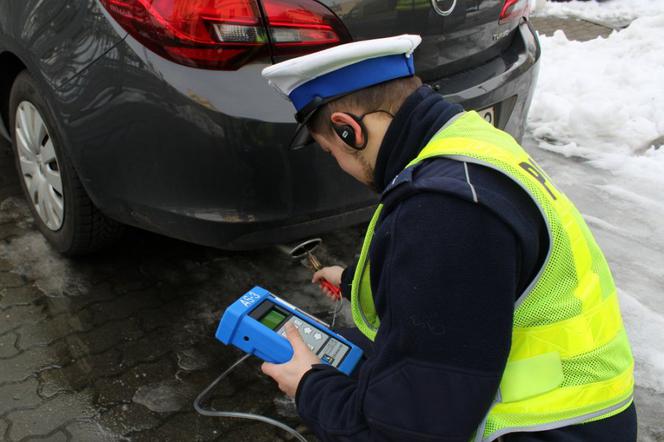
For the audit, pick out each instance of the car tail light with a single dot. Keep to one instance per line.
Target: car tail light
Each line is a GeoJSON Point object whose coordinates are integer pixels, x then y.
{"type": "Point", "coordinates": [298, 27]}
{"type": "Point", "coordinates": [226, 34]}
{"type": "Point", "coordinates": [513, 10]}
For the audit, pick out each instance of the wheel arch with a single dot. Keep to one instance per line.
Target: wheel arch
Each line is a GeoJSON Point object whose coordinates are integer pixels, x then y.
{"type": "Point", "coordinates": [11, 67]}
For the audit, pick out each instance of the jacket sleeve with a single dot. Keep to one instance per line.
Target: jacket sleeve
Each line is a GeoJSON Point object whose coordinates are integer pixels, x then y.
{"type": "Point", "coordinates": [347, 280]}
{"type": "Point", "coordinates": [443, 274]}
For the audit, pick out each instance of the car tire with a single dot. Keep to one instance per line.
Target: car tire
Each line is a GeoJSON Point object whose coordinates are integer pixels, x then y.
{"type": "Point", "coordinates": [60, 206]}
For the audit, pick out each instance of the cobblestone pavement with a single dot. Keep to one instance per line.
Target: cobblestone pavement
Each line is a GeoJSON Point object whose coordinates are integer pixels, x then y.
{"type": "Point", "coordinates": [116, 347]}
{"type": "Point", "coordinates": [574, 29]}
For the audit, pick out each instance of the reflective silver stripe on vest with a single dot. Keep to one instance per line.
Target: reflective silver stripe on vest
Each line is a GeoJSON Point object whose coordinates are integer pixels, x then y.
{"type": "Point", "coordinates": [558, 424]}
{"type": "Point", "coordinates": [480, 430]}
{"type": "Point", "coordinates": [472, 188]}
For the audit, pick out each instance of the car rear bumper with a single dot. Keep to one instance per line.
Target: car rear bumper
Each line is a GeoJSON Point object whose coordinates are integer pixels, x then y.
{"type": "Point", "coordinates": [168, 149]}
{"type": "Point", "coordinates": [246, 235]}
{"type": "Point", "coordinates": [505, 82]}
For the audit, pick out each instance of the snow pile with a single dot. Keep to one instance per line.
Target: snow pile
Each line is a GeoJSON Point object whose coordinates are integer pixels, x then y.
{"type": "Point", "coordinates": [614, 13]}
{"type": "Point", "coordinates": [603, 100]}
{"type": "Point", "coordinates": [643, 326]}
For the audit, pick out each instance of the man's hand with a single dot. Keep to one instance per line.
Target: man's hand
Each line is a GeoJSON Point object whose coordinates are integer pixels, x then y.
{"type": "Point", "coordinates": [331, 274]}
{"type": "Point", "coordinates": [289, 374]}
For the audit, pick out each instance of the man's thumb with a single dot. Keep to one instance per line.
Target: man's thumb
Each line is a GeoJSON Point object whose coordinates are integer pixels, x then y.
{"type": "Point", "coordinates": [293, 336]}
{"type": "Point", "coordinates": [318, 275]}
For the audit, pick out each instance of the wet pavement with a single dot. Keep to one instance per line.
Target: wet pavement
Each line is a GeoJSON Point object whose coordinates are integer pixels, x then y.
{"type": "Point", "coordinates": [117, 346]}
{"type": "Point", "coordinates": [575, 29]}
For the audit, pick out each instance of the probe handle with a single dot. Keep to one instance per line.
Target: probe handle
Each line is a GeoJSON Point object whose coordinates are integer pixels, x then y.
{"type": "Point", "coordinates": [336, 291]}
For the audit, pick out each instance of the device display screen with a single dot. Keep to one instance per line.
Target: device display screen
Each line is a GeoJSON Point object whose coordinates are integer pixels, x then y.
{"type": "Point", "coordinates": [272, 319]}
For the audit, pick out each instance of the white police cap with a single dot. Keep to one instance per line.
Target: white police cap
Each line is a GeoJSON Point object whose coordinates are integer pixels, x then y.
{"type": "Point", "coordinates": [312, 80]}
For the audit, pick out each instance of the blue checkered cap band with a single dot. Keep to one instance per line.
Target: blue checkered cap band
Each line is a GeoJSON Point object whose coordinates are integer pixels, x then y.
{"type": "Point", "coordinates": [352, 78]}
{"type": "Point", "coordinates": [343, 69]}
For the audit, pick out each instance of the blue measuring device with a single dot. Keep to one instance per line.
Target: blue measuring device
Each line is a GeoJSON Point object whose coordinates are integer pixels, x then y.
{"type": "Point", "coordinates": [256, 323]}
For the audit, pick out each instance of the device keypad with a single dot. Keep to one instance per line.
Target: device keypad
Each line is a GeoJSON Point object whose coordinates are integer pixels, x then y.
{"type": "Point", "coordinates": [328, 349]}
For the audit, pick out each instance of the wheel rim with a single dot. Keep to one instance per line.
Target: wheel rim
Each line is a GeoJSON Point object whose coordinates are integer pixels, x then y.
{"type": "Point", "coordinates": [39, 165]}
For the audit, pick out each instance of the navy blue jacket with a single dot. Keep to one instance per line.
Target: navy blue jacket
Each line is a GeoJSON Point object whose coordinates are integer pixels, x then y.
{"type": "Point", "coordinates": [455, 246]}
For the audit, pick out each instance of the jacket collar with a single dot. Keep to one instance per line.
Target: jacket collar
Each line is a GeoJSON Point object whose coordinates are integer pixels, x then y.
{"type": "Point", "coordinates": [420, 116]}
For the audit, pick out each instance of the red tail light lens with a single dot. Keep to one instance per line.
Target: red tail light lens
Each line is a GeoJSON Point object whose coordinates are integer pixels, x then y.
{"type": "Point", "coordinates": [513, 10]}
{"type": "Point", "coordinates": [298, 27]}
{"type": "Point", "coordinates": [226, 34]}
{"type": "Point", "coordinates": [212, 34]}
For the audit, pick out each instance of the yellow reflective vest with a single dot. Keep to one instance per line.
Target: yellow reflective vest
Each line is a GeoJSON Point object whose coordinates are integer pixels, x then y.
{"type": "Point", "coordinates": [570, 361]}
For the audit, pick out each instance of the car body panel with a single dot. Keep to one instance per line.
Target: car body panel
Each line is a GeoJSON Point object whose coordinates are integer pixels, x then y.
{"type": "Point", "coordinates": [38, 33]}
{"type": "Point", "coordinates": [204, 155]}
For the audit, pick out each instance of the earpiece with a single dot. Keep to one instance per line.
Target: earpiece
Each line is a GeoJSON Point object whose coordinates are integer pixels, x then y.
{"type": "Point", "coordinates": [347, 133]}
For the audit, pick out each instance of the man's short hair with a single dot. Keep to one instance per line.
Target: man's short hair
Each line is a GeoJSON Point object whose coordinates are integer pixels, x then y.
{"type": "Point", "coordinates": [387, 96]}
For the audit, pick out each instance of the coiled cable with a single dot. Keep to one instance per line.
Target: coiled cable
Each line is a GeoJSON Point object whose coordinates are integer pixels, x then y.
{"type": "Point", "coordinates": [240, 415]}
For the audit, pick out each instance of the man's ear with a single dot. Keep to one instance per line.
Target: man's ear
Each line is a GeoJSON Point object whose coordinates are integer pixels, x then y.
{"type": "Point", "coordinates": [343, 119]}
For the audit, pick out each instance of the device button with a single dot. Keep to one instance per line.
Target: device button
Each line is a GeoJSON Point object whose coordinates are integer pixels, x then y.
{"type": "Point", "coordinates": [307, 330]}
{"type": "Point", "coordinates": [318, 336]}
{"type": "Point", "coordinates": [297, 323]}
{"type": "Point", "coordinates": [311, 347]}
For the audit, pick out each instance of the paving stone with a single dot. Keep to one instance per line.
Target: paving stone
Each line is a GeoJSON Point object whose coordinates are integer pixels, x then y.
{"type": "Point", "coordinates": [18, 296]}
{"type": "Point", "coordinates": [121, 389]}
{"type": "Point", "coordinates": [58, 436]}
{"type": "Point", "coordinates": [152, 346]}
{"type": "Point", "coordinates": [29, 362]}
{"type": "Point", "coordinates": [191, 426]}
{"type": "Point", "coordinates": [79, 374]}
{"type": "Point", "coordinates": [5, 265]}
{"type": "Point", "coordinates": [21, 395]}
{"type": "Point", "coordinates": [14, 207]}
{"type": "Point", "coordinates": [83, 430]}
{"type": "Point", "coordinates": [8, 232]}
{"type": "Point", "coordinates": [165, 396]}
{"type": "Point", "coordinates": [124, 419]}
{"type": "Point", "coordinates": [103, 337]}
{"type": "Point", "coordinates": [53, 382]}
{"type": "Point", "coordinates": [98, 293]}
{"type": "Point", "coordinates": [48, 331]}
{"type": "Point", "coordinates": [21, 314]}
{"type": "Point", "coordinates": [122, 307]}
{"type": "Point", "coordinates": [129, 284]}
{"type": "Point", "coordinates": [50, 415]}
{"type": "Point", "coordinates": [10, 280]}
{"type": "Point", "coordinates": [152, 322]}
{"type": "Point", "coordinates": [192, 359]}
{"type": "Point", "coordinates": [8, 345]}
{"type": "Point", "coordinates": [3, 428]}
{"type": "Point", "coordinates": [574, 29]}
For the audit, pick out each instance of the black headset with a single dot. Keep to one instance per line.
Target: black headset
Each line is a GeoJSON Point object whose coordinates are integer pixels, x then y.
{"type": "Point", "coordinates": [347, 133]}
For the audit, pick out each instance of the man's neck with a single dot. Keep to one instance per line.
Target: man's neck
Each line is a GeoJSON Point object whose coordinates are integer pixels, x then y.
{"type": "Point", "coordinates": [421, 115]}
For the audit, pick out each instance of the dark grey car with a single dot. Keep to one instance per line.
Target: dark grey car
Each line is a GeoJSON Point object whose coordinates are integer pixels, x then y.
{"type": "Point", "coordinates": [153, 113]}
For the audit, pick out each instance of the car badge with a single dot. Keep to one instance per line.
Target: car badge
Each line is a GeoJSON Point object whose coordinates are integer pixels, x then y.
{"type": "Point", "coordinates": [444, 12]}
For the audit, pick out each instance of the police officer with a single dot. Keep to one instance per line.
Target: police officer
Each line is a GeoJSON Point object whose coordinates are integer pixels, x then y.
{"type": "Point", "coordinates": [485, 306]}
